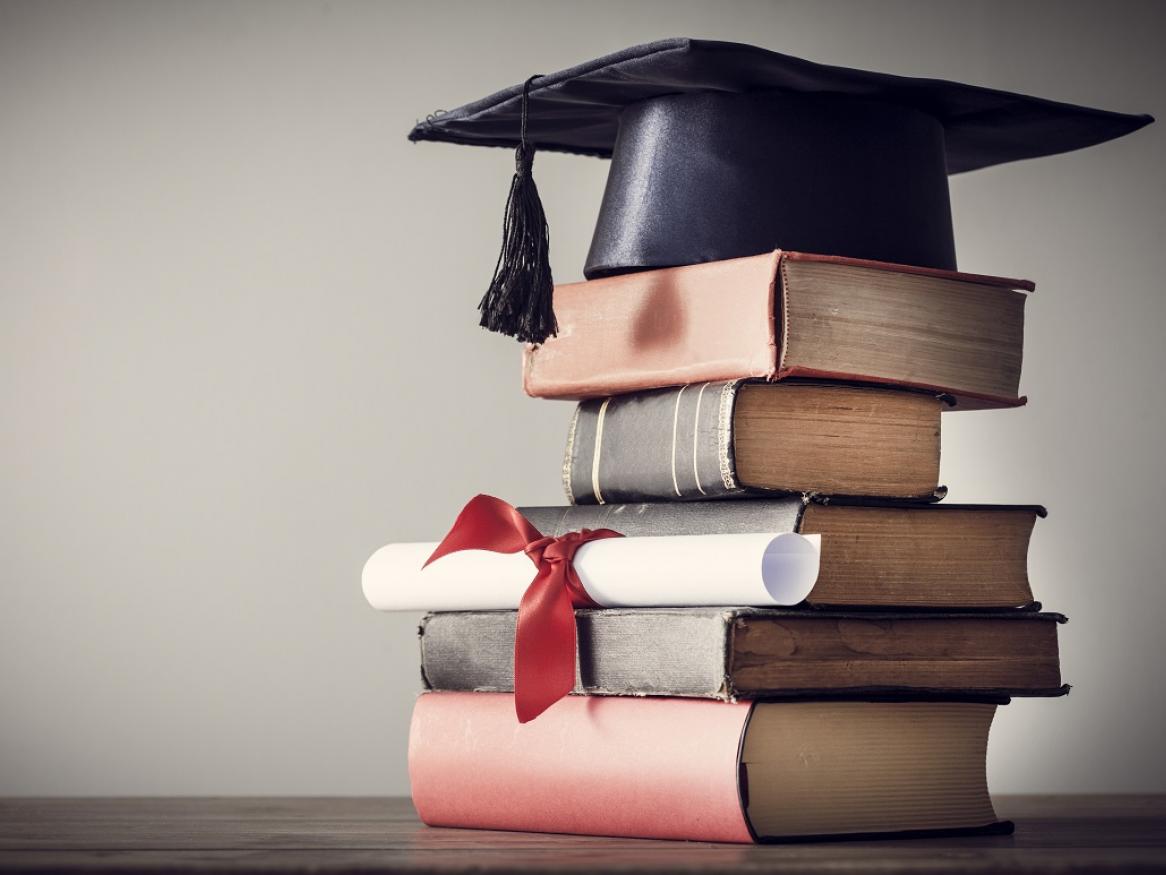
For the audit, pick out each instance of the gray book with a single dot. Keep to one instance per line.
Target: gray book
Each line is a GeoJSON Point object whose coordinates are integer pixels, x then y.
{"type": "Point", "coordinates": [735, 439]}
{"type": "Point", "coordinates": [731, 653]}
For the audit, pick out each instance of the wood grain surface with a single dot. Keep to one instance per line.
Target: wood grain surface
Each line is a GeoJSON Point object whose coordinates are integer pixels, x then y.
{"type": "Point", "coordinates": [1062, 834]}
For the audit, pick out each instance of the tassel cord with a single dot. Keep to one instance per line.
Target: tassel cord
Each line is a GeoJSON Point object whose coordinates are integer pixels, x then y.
{"type": "Point", "coordinates": [518, 302]}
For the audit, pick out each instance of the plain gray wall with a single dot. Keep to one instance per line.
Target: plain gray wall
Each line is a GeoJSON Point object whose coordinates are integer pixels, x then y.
{"type": "Point", "coordinates": [239, 352]}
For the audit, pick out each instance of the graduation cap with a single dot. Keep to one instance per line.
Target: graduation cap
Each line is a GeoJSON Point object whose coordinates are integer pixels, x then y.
{"type": "Point", "coordinates": [722, 150]}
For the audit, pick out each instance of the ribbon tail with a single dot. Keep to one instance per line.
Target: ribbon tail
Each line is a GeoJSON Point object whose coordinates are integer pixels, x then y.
{"type": "Point", "coordinates": [544, 645]}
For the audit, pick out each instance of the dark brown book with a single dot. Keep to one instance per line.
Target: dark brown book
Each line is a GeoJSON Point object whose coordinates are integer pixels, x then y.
{"type": "Point", "coordinates": [749, 653]}
{"type": "Point", "coordinates": [874, 554]}
{"type": "Point", "coordinates": [732, 439]}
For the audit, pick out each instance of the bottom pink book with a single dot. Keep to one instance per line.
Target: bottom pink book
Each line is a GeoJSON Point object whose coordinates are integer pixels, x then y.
{"type": "Point", "coordinates": [702, 770]}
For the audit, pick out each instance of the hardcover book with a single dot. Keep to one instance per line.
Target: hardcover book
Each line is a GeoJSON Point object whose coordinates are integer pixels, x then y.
{"type": "Point", "coordinates": [748, 653]}
{"type": "Point", "coordinates": [786, 314]}
{"type": "Point", "coordinates": [732, 439]}
{"type": "Point", "coordinates": [874, 554]}
{"type": "Point", "coordinates": [703, 771]}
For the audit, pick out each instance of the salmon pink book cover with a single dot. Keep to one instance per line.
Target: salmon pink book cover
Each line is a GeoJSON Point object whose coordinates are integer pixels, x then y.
{"type": "Point", "coordinates": [642, 767]}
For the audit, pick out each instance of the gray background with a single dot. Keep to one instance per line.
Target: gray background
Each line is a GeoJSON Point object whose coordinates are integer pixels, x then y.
{"type": "Point", "coordinates": [239, 352]}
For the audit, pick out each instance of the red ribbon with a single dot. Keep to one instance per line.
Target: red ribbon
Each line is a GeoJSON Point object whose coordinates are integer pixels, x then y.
{"type": "Point", "coordinates": [544, 638]}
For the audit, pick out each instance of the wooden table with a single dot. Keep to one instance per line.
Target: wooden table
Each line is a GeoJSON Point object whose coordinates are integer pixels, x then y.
{"type": "Point", "coordinates": [1053, 834]}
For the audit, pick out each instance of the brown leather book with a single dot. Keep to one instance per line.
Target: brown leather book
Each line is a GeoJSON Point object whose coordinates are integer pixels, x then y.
{"type": "Point", "coordinates": [781, 315]}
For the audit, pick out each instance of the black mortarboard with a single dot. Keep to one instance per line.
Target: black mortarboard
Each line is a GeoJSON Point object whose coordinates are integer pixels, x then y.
{"type": "Point", "coordinates": [722, 150]}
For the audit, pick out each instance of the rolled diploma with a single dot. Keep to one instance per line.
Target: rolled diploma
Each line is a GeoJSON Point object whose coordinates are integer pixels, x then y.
{"type": "Point", "coordinates": [758, 570]}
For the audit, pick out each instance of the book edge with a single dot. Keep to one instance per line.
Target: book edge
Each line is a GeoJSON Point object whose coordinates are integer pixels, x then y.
{"type": "Point", "coordinates": [982, 279]}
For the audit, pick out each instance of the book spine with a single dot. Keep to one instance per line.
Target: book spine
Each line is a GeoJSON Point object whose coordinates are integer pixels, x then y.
{"type": "Point", "coordinates": [620, 653]}
{"type": "Point", "coordinates": [642, 768]}
{"type": "Point", "coordinates": [670, 444]}
{"type": "Point", "coordinates": [671, 518]}
{"type": "Point", "coordinates": [691, 324]}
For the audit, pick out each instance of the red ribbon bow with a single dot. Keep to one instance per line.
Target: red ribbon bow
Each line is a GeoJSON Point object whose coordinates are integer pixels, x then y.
{"type": "Point", "coordinates": [544, 639]}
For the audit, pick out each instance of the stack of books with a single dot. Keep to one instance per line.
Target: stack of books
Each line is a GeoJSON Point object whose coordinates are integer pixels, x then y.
{"type": "Point", "coordinates": [777, 393]}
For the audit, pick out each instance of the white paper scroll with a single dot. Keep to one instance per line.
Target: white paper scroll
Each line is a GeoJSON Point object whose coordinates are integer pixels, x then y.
{"type": "Point", "coordinates": [757, 570]}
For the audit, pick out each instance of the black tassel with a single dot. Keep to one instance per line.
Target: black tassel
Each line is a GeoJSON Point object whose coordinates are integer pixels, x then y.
{"type": "Point", "coordinates": [518, 302]}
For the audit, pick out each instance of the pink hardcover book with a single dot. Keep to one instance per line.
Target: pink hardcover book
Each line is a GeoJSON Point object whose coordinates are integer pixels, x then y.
{"type": "Point", "coordinates": [668, 768]}
{"type": "Point", "coordinates": [781, 315]}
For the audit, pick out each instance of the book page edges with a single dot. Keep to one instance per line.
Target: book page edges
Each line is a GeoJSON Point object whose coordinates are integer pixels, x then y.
{"type": "Point", "coordinates": [1018, 285]}
{"type": "Point", "coordinates": [963, 400]}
